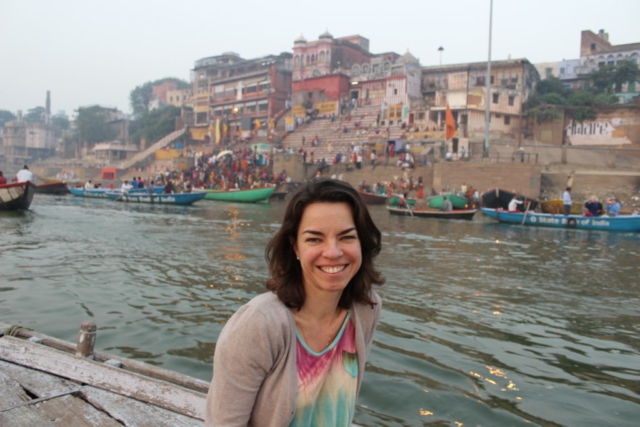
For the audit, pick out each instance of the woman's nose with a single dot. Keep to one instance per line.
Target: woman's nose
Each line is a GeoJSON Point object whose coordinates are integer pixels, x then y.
{"type": "Point", "coordinates": [332, 249]}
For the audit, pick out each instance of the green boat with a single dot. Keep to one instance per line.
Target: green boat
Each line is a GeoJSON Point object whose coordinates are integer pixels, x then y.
{"type": "Point", "coordinates": [458, 202]}
{"type": "Point", "coordinates": [249, 195]}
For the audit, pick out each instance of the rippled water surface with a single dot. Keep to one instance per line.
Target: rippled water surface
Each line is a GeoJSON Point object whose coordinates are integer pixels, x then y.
{"type": "Point", "coordinates": [482, 324]}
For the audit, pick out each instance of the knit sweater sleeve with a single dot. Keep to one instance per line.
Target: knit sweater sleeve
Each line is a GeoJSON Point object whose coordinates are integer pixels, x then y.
{"type": "Point", "coordinates": [246, 351]}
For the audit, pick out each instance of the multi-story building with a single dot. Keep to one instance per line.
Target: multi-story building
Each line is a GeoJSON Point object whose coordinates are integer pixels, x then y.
{"type": "Point", "coordinates": [464, 88]}
{"type": "Point", "coordinates": [244, 94]}
{"type": "Point", "coordinates": [24, 142]}
{"type": "Point", "coordinates": [180, 98]}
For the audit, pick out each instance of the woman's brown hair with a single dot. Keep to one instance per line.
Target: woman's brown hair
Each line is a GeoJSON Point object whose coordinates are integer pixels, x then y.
{"type": "Point", "coordinates": [285, 272]}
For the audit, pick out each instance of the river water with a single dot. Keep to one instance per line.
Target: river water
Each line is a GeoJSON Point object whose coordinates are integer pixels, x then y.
{"type": "Point", "coordinates": [482, 324]}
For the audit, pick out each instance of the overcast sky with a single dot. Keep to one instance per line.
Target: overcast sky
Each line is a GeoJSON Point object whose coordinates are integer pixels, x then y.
{"type": "Point", "coordinates": [96, 52]}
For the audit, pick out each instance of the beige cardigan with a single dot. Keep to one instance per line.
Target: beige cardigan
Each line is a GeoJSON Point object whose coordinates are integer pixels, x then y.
{"type": "Point", "coordinates": [255, 379]}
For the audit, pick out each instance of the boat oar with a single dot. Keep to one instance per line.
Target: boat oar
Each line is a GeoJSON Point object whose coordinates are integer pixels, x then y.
{"type": "Point", "coordinates": [526, 211]}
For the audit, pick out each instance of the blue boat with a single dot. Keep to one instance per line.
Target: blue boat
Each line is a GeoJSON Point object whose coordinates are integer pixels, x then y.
{"type": "Point", "coordinates": [101, 193]}
{"type": "Point", "coordinates": [614, 223]}
{"type": "Point", "coordinates": [164, 199]}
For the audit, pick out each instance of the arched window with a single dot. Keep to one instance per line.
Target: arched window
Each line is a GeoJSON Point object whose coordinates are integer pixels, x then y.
{"type": "Point", "coordinates": [313, 59]}
{"type": "Point", "coordinates": [321, 59]}
{"type": "Point", "coordinates": [296, 61]}
{"type": "Point", "coordinates": [365, 69]}
{"type": "Point", "coordinates": [387, 66]}
{"type": "Point", "coordinates": [355, 70]}
{"type": "Point", "coordinates": [634, 57]}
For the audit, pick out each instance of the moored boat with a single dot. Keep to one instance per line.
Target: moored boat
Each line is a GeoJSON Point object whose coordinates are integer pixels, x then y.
{"type": "Point", "coordinates": [458, 202]}
{"type": "Point", "coordinates": [373, 199]}
{"type": "Point", "coordinates": [434, 213]}
{"type": "Point", "coordinates": [249, 195]}
{"type": "Point", "coordinates": [101, 193]}
{"type": "Point", "coordinates": [614, 223]}
{"type": "Point", "coordinates": [16, 196]}
{"type": "Point", "coordinates": [499, 199]}
{"type": "Point", "coordinates": [395, 201]}
{"type": "Point", "coordinates": [55, 188]}
{"type": "Point", "coordinates": [164, 199]}
{"type": "Point", "coordinates": [556, 206]}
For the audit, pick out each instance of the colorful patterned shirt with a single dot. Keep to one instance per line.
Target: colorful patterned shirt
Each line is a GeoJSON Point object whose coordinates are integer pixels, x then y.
{"type": "Point", "coordinates": [327, 381]}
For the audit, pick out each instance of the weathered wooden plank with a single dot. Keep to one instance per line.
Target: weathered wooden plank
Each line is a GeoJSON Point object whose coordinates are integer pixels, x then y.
{"type": "Point", "coordinates": [13, 394]}
{"type": "Point", "coordinates": [128, 364]}
{"type": "Point", "coordinates": [156, 392]}
{"type": "Point", "coordinates": [64, 410]}
{"type": "Point", "coordinates": [131, 412]}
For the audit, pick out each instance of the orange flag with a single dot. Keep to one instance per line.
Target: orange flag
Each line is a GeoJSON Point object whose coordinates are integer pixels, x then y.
{"type": "Point", "coordinates": [451, 124]}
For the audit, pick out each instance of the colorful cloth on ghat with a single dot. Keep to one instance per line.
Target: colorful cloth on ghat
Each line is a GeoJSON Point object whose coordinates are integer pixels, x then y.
{"type": "Point", "coordinates": [327, 381]}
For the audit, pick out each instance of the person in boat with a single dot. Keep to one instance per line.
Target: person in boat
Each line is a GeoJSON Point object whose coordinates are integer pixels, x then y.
{"type": "Point", "coordinates": [296, 354]}
{"type": "Point", "coordinates": [567, 201]}
{"type": "Point", "coordinates": [447, 206]}
{"type": "Point", "coordinates": [88, 185]}
{"type": "Point", "coordinates": [593, 207]}
{"type": "Point", "coordinates": [3, 180]}
{"type": "Point", "coordinates": [513, 204]}
{"type": "Point", "coordinates": [24, 175]}
{"type": "Point", "coordinates": [124, 189]}
{"type": "Point", "coordinates": [403, 201]}
{"type": "Point", "coordinates": [168, 188]}
{"type": "Point", "coordinates": [613, 207]}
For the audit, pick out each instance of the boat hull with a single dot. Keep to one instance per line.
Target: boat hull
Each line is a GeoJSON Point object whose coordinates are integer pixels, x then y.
{"type": "Point", "coordinates": [457, 202]}
{"type": "Point", "coordinates": [395, 201]}
{"type": "Point", "coordinates": [251, 195]}
{"type": "Point", "coordinates": [373, 199]}
{"type": "Point", "coordinates": [615, 223]}
{"type": "Point", "coordinates": [157, 199]}
{"type": "Point", "coordinates": [464, 214]}
{"type": "Point", "coordinates": [17, 196]}
{"type": "Point", "coordinates": [101, 193]}
{"type": "Point", "coordinates": [499, 199]}
{"type": "Point", "coordinates": [56, 188]}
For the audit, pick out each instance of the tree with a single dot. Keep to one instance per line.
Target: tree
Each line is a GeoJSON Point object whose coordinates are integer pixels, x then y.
{"type": "Point", "coordinates": [61, 122]}
{"type": "Point", "coordinates": [6, 116]}
{"type": "Point", "coordinates": [35, 115]}
{"type": "Point", "coordinates": [92, 124]}
{"type": "Point", "coordinates": [602, 79]}
{"type": "Point", "coordinates": [141, 95]}
{"type": "Point", "coordinates": [154, 125]}
{"type": "Point", "coordinates": [626, 72]}
{"type": "Point", "coordinates": [551, 85]}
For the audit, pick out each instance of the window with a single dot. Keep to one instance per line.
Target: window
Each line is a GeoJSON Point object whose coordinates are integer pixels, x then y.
{"type": "Point", "coordinates": [265, 86]}
{"type": "Point", "coordinates": [507, 120]}
{"type": "Point", "coordinates": [252, 88]}
{"type": "Point", "coordinates": [395, 91]}
{"type": "Point", "coordinates": [263, 107]}
{"type": "Point", "coordinates": [511, 100]}
{"type": "Point", "coordinates": [593, 46]}
{"type": "Point", "coordinates": [420, 116]}
{"type": "Point", "coordinates": [480, 81]}
{"type": "Point", "coordinates": [562, 70]}
{"type": "Point", "coordinates": [514, 78]}
{"type": "Point", "coordinates": [496, 98]}
{"type": "Point", "coordinates": [201, 117]}
{"type": "Point", "coordinates": [493, 79]}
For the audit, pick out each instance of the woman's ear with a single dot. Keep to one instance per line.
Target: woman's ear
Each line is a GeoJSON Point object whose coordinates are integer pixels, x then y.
{"type": "Point", "coordinates": [295, 246]}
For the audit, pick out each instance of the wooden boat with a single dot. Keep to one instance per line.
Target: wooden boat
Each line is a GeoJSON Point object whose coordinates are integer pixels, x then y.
{"type": "Point", "coordinates": [458, 202]}
{"type": "Point", "coordinates": [499, 199]}
{"type": "Point", "coordinates": [373, 199]}
{"type": "Point", "coordinates": [101, 193]}
{"type": "Point", "coordinates": [434, 213]}
{"type": "Point", "coordinates": [16, 196]}
{"type": "Point", "coordinates": [556, 206]}
{"type": "Point", "coordinates": [249, 195]}
{"type": "Point", "coordinates": [164, 199]}
{"type": "Point", "coordinates": [56, 188]}
{"type": "Point", "coordinates": [395, 201]}
{"type": "Point", "coordinates": [614, 223]}
{"type": "Point", "coordinates": [47, 381]}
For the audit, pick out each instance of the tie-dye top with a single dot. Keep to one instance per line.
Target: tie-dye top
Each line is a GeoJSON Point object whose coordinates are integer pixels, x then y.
{"type": "Point", "coordinates": [327, 381]}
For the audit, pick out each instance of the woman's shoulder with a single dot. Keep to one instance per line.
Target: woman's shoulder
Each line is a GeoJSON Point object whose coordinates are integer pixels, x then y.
{"type": "Point", "coordinates": [267, 304]}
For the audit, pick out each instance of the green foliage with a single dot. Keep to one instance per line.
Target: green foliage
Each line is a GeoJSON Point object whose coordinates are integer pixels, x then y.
{"type": "Point", "coordinates": [154, 125]}
{"type": "Point", "coordinates": [92, 124]}
{"type": "Point", "coordinates": [35, 115]}
{"type": "Point", "coordinates": [581, 97]}
{"type": "Point", "coordinates": [544, 113]}
{"type": "Point", "coordinates": [604, 100]}
{"type": "Point", "coordinates": [553, 98]}
{"type": "Point", "coordinates": [551, 85]}
{"type": "Point", "coordinates": [626, 72]}
{"type": "Point", "coordinates": [602, 79]}
{"type": "Point", "coordinates": [141, 95]}
{"type": "Point", "coordinates": [6, 116]}
{"type": "Point", "coordinates": [61, 122]}
{"type": "Point", "coordinates": [581, 114]}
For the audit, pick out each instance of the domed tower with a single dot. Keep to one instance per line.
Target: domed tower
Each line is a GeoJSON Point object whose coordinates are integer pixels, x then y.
{"type": "Point", "coordinates": [299, 50]}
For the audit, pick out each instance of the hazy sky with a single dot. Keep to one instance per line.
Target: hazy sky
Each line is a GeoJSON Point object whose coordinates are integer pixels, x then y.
{"type": "Point", "coordinates": [96, 52]}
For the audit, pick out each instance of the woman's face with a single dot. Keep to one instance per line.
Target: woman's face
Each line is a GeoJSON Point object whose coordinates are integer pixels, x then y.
{"type": "Point", "coordinates": [328, 248]}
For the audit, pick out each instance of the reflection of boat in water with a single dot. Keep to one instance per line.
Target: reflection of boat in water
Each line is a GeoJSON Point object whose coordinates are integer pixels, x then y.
{"type": "Point", "coordinates": [434, 213]}
{"type": "Point", "coordinates": [499, 199]}
{"type": "Point", "coordinates": [55, 187]}
{"type": "Point", "coordinates": [458, 202]}
{"type": "Point", "coordinates": [615, 223]}
{"type": "Point", "coordinates": [16, 196]}
{"type": "Point", "coordinates": [373, 199]}
{"type": "Point", "coordinates": [557, 207]}
{"type": "Point", "coordinates": [249, 195]}
{"type": "Point", "coordinates": [164, 199]}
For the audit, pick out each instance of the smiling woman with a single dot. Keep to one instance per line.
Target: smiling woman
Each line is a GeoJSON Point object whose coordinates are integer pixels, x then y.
{"type": "Point", "coordinates": [296, 355]}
